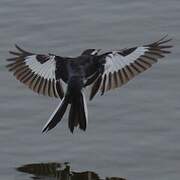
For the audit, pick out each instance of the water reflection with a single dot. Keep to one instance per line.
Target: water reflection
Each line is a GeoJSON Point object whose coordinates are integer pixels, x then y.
{"type": "Point", "coordinates": [59, 171]}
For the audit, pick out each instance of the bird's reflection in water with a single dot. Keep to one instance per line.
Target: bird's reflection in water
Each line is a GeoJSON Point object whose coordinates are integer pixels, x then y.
{"type": "Point", "coordinates": [59, 171]}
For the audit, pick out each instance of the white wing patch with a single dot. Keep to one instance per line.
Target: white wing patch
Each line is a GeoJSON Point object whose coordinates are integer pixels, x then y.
{"type": "Point", "coordinates": [115, 69]}
{"type": "Point", "coordinates": [115, 61]}
{"type": "Point", "coordinates": [45, 70]}
{"type": "Point", "coordinates": [37, 72]}
{"type": "Point", "coordinates": [123, 65]}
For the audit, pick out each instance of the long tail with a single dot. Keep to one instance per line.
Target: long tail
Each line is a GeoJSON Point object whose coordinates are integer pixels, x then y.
{"type": "Point", "coordinates": [77, 115]}
{"type": "Point", "coordinates": [56, 115]}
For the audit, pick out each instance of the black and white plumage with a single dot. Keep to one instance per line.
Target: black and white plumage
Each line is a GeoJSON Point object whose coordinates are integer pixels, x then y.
{"type": "Point", "coordinates": [102, 71]}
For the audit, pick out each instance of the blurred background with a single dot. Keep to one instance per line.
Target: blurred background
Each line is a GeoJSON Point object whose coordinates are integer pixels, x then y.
{"type": "Point", "coordinates": [134, 131]}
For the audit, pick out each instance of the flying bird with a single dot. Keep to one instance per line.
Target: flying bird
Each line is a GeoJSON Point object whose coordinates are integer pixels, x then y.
{"type": "Point", "coordinates": [101, 71]}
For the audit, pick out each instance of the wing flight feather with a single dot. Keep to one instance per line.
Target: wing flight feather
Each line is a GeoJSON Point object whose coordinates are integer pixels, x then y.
{"type": "Point", "coordinates": [36, 71]}
{"type": "Point", "coordinates": [123, 65]}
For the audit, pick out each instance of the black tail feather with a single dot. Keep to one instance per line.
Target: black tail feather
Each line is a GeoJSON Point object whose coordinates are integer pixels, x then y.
{"type": "Point", "coordinates": [78, 114]}
{"type": "Point", "coordinates": [72, 116]}
{"type": "Point", "coordinates": [83, 118]}
{"type": "Point", "coordinates": [56, 116]}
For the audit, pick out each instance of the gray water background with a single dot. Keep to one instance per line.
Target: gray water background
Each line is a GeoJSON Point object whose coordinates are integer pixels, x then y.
{"type": "Point", "coordinates": [134, 131]}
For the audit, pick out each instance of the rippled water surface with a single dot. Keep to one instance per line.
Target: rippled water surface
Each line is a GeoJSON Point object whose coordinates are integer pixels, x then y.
{"type": "Point", "coordinates": [134, 131]}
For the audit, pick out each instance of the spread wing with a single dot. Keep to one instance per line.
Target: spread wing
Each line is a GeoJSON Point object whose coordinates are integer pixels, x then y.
{"type": "Point", "coordinates": [122, 65]}
{"type": "Point", "coordinates": [38, 72]}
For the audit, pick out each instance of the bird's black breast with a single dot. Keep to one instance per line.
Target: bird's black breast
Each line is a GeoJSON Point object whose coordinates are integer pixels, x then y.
{"type": "Point", "coordinates": [61, 69]}
{"type": "Point", "coordinates": [80, 66]}
{"type": "Point", "coordinates": [83, 66]}
{"type": "Point", "coordinates": [88, 65]}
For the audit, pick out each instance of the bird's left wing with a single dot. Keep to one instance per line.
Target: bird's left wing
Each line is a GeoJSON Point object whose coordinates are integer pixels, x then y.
{"type": "Point", "coordinates": [122, 65]}
{"type": "Point", "coordinates": [37, 71]}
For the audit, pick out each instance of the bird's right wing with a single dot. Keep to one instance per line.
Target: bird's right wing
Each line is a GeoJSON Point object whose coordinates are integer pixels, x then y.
{"type": "Point", "coordinates": [37, 71]}
{"type": "Point", "coordinates": [120, 66]}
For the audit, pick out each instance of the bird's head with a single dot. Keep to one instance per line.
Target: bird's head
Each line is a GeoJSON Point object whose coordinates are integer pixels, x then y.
{"type": "Point", "coordinates": [90, 52]}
